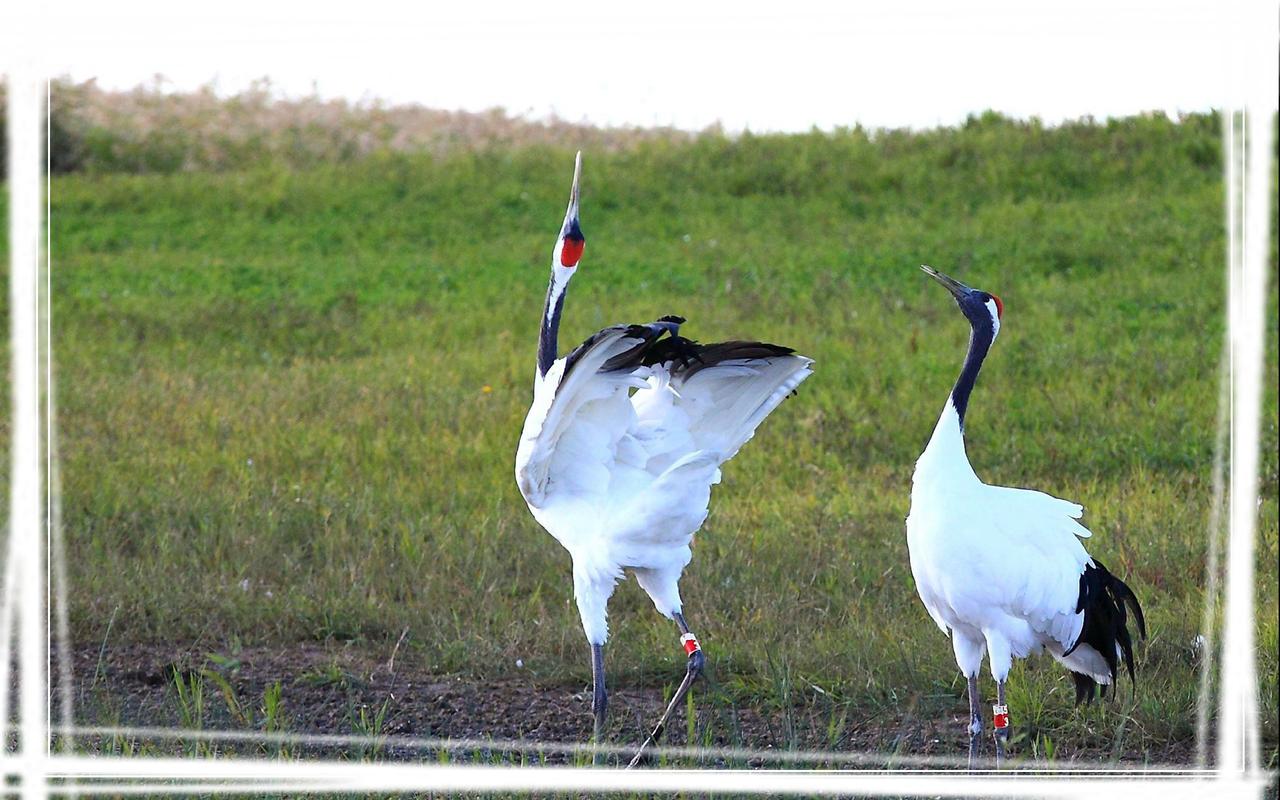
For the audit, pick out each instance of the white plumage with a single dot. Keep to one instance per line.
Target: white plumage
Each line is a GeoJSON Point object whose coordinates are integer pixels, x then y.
{"type": "Point", "coordinates": [997, 568]}
{"type": "Point", "coordinates": [1002, 570]}
{"type": "Point", "coordinates": [618, 466]}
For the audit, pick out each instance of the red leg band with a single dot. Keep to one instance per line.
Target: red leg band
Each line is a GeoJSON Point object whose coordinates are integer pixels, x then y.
{"type": "Point", "coordinates": [690, 643]}
{"type": "Point", "coordinates": [1000, 716]}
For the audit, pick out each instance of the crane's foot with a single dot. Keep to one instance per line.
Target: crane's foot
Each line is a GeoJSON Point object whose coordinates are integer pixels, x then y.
{"type": "Point", "coordinates": [692, 672]}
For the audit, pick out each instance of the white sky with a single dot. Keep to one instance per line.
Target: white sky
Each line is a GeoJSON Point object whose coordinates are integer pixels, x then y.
{"type": "Point", "coordinates": [785, 65]}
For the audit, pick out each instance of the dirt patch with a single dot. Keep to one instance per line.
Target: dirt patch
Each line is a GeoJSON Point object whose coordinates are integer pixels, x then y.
{"type": "Point", "coordinates": [332, 692]}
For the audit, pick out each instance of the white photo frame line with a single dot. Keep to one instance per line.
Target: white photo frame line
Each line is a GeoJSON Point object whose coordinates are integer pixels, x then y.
{"type": "Point", "coordinates": [1238, 774]}
{"type": "Point", "coordinates": [874, 760]}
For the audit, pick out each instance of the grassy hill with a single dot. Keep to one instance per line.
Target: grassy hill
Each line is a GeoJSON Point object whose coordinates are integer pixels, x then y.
{"type": "Point", "coordinates": [289, 399]}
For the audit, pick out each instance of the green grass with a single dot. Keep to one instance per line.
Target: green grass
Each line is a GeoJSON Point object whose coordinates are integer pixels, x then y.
{"type": "Point", "coordinates": [314, 382]}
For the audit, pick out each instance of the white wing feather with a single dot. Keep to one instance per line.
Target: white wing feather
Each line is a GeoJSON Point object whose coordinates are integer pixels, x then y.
{"type": "Point", "coordinates": [654, 452]}
{"type": "Point", "coordinates": [720, 407]}
{"type": "Point", "coordinates": [559, 407]}
{"type": "Point", "coordinates": [999, 557]}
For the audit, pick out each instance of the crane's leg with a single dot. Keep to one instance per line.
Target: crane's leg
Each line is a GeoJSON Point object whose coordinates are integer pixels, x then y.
{"type": "Point", "coordinates": [599, 699]}
{"type": "Point", "coordinates": [970, 647]}
{"type": "Point", "coordinates": [1000, 720]}
{"type": "Point", "coordinates": [975, 721]}
{"type": "Point", "coordinates": [694, 668]}
{"type": "Point", "coordinates": [592, 597]}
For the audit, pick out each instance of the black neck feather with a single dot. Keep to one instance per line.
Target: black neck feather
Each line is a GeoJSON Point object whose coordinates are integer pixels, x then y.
{"type": "Point", "coordinates": [979, 343]}
{"type": "Point", "coordinates": [549, 335]}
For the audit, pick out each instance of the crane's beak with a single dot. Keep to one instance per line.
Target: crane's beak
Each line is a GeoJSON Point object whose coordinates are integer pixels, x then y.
{"type": "Point", "coordinates": [957, 289]}
{"type": "Point", "coordinates": [571, 214]}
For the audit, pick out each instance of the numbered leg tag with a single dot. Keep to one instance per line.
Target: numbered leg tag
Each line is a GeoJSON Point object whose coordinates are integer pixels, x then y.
{"type": "Point", "coordinates": [690, 643]}
{"type": "Point", "coordinates": [1000, 716]}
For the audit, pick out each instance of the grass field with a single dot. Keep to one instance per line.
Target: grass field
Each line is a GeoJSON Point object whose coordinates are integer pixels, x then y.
{"type": "Point", "coordinates": [289, 401]}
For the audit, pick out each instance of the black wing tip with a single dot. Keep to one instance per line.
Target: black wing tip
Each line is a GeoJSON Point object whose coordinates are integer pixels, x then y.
{"type": "Point", "coordinates": [652, 330]}
{"type": "Point", "coordinates": [685, 355]}
{"type": "Point", "coordinates": [742, 348]}
{"type": "Point", "coordinates": [649, 334]}
{"type": "Point", "coordinates": [1104, 599]}
{"type": "Point", "coordinates": [1130, 599]}
{"type": "Point", "coordinates": [688, 357]}
{"type": "Point", "coordinates": [1121, 593]}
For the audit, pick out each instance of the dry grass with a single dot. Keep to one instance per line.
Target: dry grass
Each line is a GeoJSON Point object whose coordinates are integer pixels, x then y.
{"type": "Point", "coordinates": [149, 129]}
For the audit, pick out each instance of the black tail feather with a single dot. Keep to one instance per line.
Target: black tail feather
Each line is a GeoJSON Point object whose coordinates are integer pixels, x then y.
{"type": "Point", "coordinates": [1105, 600]}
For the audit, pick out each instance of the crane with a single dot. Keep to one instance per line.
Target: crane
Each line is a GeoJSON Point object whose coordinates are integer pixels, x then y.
{"type": "Point", "coordinates": [621, 446]}
{"type": "Point", "coordinates": [1002, 569]}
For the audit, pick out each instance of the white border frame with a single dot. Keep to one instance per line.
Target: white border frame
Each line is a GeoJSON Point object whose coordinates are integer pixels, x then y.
{"type": "Point", "coordinates": [27, 579]}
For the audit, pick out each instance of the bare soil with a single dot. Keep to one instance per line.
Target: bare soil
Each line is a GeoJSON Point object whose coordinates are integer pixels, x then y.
{"type": "Point", "coordinates": [329, 691]}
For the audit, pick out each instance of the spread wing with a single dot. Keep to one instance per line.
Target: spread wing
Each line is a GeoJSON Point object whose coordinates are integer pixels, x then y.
{"type": "Point", "coordinates": [713, 397]}
{"type": "Point", "coordinates": [581, 412]}
{"type": "Point", "coordinates": [633, 411]}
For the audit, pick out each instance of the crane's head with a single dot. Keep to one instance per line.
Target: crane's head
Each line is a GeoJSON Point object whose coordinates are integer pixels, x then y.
{"type": "Point", "coordinates": [564, 259]}
{"type": "Point", "coordinates": [982, 309]}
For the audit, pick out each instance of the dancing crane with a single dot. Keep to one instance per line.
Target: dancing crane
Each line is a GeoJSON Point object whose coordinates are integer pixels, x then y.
{"type": "Point", "coordinates": [622, 444]}
{"type": "Point", "coordinates": [1002, 570]}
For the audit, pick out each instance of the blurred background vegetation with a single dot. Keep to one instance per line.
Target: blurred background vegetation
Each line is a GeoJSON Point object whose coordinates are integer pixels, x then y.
{"type": "Point", "coordinates": [151, 130]}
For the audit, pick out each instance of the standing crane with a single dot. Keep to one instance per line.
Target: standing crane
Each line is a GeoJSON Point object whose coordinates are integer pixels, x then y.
{"type": "Point", "coordinates": [622, 444]}
{"type": "Point", "coordinates": [1002, 570]}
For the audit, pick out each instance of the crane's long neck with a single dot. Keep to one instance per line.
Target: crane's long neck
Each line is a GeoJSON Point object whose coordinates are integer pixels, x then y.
{"type": "Point", "coordinates": [549, 333]}
{"type": "Point", "coordinates": [980, 339]}
{"type": "Point", "coordinates": [947, 442]}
